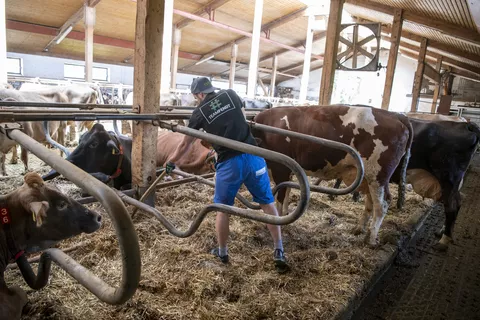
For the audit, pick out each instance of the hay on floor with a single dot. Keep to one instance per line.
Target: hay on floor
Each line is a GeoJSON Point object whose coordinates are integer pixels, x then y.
{"type": "Point", "coordinates": [181, 280]}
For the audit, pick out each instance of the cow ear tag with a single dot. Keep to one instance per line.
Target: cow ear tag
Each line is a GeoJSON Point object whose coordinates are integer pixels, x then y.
{"type": "Point", "coordinates": [113, 151]}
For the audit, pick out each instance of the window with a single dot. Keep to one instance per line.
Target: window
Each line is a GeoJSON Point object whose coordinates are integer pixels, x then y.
{"type": "Point", "coordinates": [14, 66]}
{"type": "Point", "coordinates": [74, 71]}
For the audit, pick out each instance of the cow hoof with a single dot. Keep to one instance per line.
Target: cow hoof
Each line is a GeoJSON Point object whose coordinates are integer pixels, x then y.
{"type": "Point", "coordinates": [14, 161]}
{"type": "Point", "coordinates": [331, 197]}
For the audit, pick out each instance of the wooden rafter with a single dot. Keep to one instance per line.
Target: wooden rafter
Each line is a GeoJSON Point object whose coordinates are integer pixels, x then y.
{"type": "Point", "coordinates": [444, 27]}
{"type": "Point", "coordinates": [267, 26]}
{"type": "Point", "coordinates": [434, 55]}
{"type": "Point", "coordinates": [76, 35]}
{"type": "Point", "coordinates": [203, 11]}
{"type": "Point", "coordinates": [454, 69]}
{"type": "Point", "coordinates": [71, 22]}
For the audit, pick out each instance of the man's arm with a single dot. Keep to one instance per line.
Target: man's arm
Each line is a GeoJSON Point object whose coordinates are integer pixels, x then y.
{"type": "Point", "coordinates": [182, 149]}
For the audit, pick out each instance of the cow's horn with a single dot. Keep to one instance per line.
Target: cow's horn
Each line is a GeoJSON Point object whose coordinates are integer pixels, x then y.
{"type": "Point", "coordinates": [112, 145]}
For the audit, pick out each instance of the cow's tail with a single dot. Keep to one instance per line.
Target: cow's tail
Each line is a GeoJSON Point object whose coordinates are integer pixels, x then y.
{"type": "Point", "coordinates": [403, 172]}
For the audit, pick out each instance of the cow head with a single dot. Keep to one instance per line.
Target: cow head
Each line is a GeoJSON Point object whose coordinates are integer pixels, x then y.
{"type": "Point", "coordinates": [97, 151]}
{"type": "Point", "coordinates": [41, 215]}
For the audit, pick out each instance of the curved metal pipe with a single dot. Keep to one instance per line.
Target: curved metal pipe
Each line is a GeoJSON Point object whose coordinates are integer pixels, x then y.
{"type": "Point", "coordinates": [53, 142]}
{"type": "Point", "coordinates": [115, 128]}
{"type": "Point", "coordinates": [122, 222]}
{"type": "Point", "coordinates": [241, 198]}
{"type": "Point", "coordinates": [267, 154]}
{"type": "Point", "coordinates": [323, 142]}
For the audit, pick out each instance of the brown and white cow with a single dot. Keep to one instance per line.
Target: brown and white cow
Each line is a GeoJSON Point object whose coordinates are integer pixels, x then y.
{"type": "Point", "coordinates": [198, 160]}
{"type": "Point", "coordinates": [382, 138]}
{"type": "Point", "coordinates": [34, 217]}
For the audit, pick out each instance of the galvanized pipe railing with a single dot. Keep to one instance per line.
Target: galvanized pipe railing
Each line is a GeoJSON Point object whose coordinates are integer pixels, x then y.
{"type": "Point", "coordinates": [211, 183]}
{"type": "Point", "coordinates": [323, 142]}
{"type": "Point", "coordinates": [63, 105]}
{"type": "Point", "coordinates": [122, 222]}
{"type": "Point", "coordinates": [94, 106]}
{"type": "Point", "coordinates": [7, 116]}
{"type": "Point", "coordinates": [246, 213]}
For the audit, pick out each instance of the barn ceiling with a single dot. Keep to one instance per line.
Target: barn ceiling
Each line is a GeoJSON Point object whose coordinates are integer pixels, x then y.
{"type": "Point", "coordinates": [32, 24]}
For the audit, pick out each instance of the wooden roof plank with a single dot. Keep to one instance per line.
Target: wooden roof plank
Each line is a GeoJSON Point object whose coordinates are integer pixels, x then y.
{"type": "Point", "coordinates": [203, 11]}
{"type": "Point", "coordinates": [76, 35]}
{"type": "Point", "coordinates": [442, 26]}
{"type": "Point", "coordinates": [70, 23]}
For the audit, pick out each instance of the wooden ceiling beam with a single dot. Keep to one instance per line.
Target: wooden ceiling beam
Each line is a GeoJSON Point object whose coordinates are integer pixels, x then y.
{"type": "Point", "coordinates": [70, 23]}
{"type": "Point", "coordinates": [446, 28]}
{"type": "Point", "coordinates": [316, 37]}
{"type": "Point", "coordinates": [446, 60]}
{"type": "Point", "coordinates": [454, 69]}
{"type": "Point", "coordinates": [203, 11]}
{"type": "Point", "coordinates": [437, 45]}
{"type": "Point", "coordinates": [76, 35]}
{"type": "Point", "coordinates": [267, 26]}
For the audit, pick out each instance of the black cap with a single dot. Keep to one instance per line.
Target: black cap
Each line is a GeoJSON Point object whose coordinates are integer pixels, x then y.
{"type": "Point", "coordinates": [202, 85]}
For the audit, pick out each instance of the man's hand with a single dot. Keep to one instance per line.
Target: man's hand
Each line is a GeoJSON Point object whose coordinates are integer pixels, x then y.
{"type": "Point", "coordinates": [169, 167]}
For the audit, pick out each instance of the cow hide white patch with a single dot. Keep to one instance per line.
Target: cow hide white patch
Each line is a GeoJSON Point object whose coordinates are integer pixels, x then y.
{"type": "Point", "coordinates": [362, 118]}
{"type": "Point", "coordinates": [286, 122]}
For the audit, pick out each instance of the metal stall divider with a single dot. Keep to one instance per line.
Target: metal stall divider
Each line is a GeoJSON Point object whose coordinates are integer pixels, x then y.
{"type": "Point", "coordinates": [122, 222]}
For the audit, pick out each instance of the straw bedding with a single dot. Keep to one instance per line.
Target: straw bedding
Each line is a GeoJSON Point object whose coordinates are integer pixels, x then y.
{"type": "Point", "coordinates": [181, 280]}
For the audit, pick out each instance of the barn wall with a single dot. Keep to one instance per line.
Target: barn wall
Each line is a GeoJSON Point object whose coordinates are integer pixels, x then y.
{"type": "Point", "coordinates": [52, 68]}
{"type": "Point", "coordinates": [361, 87]}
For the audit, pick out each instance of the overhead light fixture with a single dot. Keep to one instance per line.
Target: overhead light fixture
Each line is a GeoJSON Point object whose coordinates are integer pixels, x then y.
{"type": "Point", "coordinates": [64, 34]}
{"type": "Point", "coordinates": [204, 60]}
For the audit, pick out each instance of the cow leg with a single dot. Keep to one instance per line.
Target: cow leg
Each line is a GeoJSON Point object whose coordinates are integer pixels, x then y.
{"type": "Point", "coordinates": [126, 129]}
{"type": "Point", "coordinates": [286, 202]}
{"type": "Point", "coordinates": [380, 206]}
{"type": "Point", "coordinates": [367, 213]}
{"type": "Point", "coordinates": [24, 156]}
{"type": "Point", "coordinates": [14, 159]}
{"type": "Point", "coordinates": [3, 159]}
{"type": "Point", "coordinates": [280, 176]}
{"type": "Point", "coordinates": [452, 206]}
{"type": "Point", "coordinates": [337, 184]}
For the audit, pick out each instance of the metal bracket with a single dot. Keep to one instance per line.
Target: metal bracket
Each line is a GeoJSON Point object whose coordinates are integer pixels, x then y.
{"type": "Point", "coordinates": [267, 33]}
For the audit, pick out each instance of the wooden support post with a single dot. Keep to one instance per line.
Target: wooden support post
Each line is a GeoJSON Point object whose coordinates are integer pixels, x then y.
{"type": "Point", "coordinates": [146, 90]}
{"type": "Point", "coordinates": [417, 83]}
{"type": "Point", "coordinates": [306, 64]}
{"type": "Point", "coordinates": [255, 48]}
{"type": "Point", "coordinates": [392, 57]}
{"type": "Point", "coordinates": [273, 78]}
{"type": "Point", "coordinates": [430, 73]}
{"type": "Point", "coordinates": [260, 82]}
{"type": "Point", "coordinates": [436, 92]}
{"type": "Point", "coordinates": [177, 39]}
{"type": "Point", "coordinates": [3, 43]}
{"type": "Point", "coordinates": [89, 26]}
{"type": "Point", "coordinates": [233, 66]}
{"type": "Point", "coordinates": [331, 50]}
{"type": "Point", "coordinates": [167, 47]}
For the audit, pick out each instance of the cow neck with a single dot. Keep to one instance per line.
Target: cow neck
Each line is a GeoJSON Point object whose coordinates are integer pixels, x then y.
{"type": "Point", "coordinates": [6, 221]}
{"type": "Point", "coordinates": [118, 171]}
